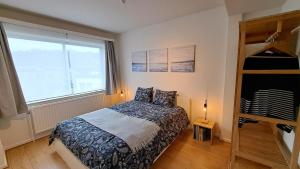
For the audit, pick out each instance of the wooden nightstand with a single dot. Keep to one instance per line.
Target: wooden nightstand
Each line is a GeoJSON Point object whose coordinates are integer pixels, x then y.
{"type": "Point", "coordinates": [199, 125]}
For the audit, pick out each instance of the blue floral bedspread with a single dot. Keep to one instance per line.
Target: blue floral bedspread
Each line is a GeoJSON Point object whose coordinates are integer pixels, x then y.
{"type": "Point", "coordinates": [99, 149]}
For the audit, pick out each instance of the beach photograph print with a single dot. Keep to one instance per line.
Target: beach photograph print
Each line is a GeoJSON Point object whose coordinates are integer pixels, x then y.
{"type": "Point", "coordinates": [158, 60]}
{"type": "Point", "coordinates": [183, 59]}
{"type": "Point", "coordinates": [139, 61]}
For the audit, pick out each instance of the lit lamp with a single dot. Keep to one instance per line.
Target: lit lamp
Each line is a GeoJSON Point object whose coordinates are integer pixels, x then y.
{"type": "Point", "coordinates": [123, 95]}
{"type": "Point", "coordinates": [205, 110]}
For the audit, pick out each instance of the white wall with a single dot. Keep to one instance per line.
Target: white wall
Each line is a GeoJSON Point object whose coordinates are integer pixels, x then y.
{"type": "Point", "coordinates": [208, 31]}
{"type": "Point", "coordinates": [290, 5]}
{"type": "Point", "coordinates": [230, 76]}
{"type": "Point", "coordinates": [15, 131]}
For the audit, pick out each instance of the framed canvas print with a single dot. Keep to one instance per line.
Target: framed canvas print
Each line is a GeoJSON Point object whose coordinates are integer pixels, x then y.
{"type": "Point", "coordinates": [139, 61]}
{"type": "Point", "coordinates": [183, 59]}
{"type": "Point", "coordinates": [158, 60]}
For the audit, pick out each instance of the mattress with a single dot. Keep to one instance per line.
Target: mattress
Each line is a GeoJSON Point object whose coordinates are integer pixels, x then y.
{"type": "Point", "coordinates": [97, 148]}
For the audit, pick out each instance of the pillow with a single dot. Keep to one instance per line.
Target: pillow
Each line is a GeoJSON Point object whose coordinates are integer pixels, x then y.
{"type": "Point", "coordinates": [144, 94]}
{"type": "Point", "coordinates": [165, 98]}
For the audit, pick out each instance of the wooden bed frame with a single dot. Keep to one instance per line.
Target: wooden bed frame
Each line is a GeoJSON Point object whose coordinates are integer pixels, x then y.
{"type": "Point", "coordinates": [73, 162]}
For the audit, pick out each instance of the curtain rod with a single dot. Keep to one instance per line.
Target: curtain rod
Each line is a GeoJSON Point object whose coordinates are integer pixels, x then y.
{"type": "Point", "coordinates": [50, 29]}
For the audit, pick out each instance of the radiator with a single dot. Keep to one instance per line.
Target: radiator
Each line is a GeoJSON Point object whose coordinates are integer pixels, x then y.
{"type": "Point", "coordinates": [46, 116]}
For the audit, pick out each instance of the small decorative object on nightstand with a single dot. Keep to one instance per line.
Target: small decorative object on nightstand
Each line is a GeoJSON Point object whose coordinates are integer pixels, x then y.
{"type": "Point", "coordinates": [203, 130]}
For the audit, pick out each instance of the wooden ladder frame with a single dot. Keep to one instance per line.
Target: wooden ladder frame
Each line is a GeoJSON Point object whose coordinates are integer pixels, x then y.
{"type": "Point", "coordinates": [282, 23]}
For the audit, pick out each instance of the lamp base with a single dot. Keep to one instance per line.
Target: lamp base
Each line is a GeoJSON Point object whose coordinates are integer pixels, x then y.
{"type": "Point", "coordinates": [204, 121]}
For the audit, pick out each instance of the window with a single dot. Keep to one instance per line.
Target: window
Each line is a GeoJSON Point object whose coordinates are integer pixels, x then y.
{"type": "Point", "coordinates": [85, 72]}
{"type": "Point", "coordinates": [55, 66]}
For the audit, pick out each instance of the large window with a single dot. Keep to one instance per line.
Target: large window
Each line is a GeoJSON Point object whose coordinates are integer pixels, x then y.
{"type": "Point", "coordinates": [55, 66]}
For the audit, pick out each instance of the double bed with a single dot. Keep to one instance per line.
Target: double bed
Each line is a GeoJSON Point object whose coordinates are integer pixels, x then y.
{"type": "Point", "coordinates": [128, 135]}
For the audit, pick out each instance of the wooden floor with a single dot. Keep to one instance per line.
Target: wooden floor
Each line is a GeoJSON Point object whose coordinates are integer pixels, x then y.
{"type": "Point", "coordinates": [184, 153]}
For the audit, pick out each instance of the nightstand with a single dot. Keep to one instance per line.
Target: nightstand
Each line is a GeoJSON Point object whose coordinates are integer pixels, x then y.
{"type": "Point", "coordinates": [199, 125]}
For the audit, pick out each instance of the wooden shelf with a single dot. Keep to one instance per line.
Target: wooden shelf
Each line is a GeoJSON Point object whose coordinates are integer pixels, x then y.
{"type": "Point", "coordinates": [258, 30]}
{"type": "Point", "coordinates": [285, 72]}
{"type": "Point", "coordinates": [257, 143]}
{"type": "Point", "coordinates": [268, 119]}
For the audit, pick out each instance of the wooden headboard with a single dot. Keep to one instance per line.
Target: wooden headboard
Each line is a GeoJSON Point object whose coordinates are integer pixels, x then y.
{"type": "Point", "coordinates": [185, 103]}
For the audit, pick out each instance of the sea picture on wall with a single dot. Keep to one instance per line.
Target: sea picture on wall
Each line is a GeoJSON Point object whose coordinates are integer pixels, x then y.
{"type": "Point", "coordinates": [183, 59]}
{"type": "Point", "coordinates": [139, 61]}
{"type": "Point", "coordinates": [158, 60]}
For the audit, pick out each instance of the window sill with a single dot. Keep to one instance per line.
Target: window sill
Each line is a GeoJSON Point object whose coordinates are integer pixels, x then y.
{"type": "Point", "coordinates": [62, 99]}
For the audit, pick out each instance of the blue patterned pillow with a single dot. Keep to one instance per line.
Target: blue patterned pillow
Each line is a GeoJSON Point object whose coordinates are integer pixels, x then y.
{"type": "Point", "coordinates": [144, 94]}
{"type": "Point", "coordinates": [165, 98]}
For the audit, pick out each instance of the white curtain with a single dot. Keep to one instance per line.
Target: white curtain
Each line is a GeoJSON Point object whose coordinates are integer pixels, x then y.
{"type": "Point", "coordinates": [111, 68]}
{"type": "Point", "coordinates": [12, 101]}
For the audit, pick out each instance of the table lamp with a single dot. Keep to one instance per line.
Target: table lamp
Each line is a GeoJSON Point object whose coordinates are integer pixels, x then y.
{"type": "Point", "coordinates": [205, 120]}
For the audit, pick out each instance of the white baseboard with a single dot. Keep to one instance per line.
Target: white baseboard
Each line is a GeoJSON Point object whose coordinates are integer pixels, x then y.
{"type": "Point", "coordinates": [17, 144]}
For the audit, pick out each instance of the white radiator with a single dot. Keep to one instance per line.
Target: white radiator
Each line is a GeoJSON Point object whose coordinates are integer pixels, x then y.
{"type": "Point", "coordinates": [46, 116]}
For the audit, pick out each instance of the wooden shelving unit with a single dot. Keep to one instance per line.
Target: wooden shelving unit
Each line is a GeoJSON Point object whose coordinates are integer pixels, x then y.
{"type": "Point", "coordinates": [262, 142]}
{"type": "Point", "coordinates": [268, 119]}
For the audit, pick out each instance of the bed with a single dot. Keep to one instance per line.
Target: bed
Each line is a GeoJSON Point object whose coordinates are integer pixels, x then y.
{"type": "Point", "coordinates": [84, 142]}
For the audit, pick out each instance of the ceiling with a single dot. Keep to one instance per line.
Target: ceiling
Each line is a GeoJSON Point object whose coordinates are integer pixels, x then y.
{"type": "Point", "coordinates": [112, 15]}
{"type": "Point", "coordinates": [245, 6]}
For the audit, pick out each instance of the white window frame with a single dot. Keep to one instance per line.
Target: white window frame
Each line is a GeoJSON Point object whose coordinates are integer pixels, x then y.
{"type": "Point", "coordinates": [47, 28]}
{"type": "Point", "coordinates": [64, 98]}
